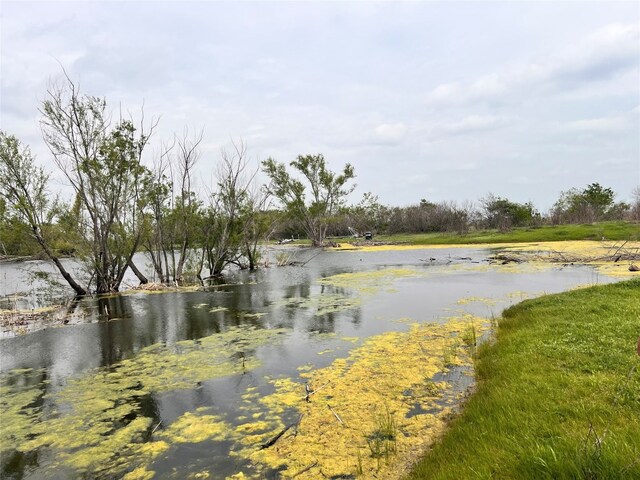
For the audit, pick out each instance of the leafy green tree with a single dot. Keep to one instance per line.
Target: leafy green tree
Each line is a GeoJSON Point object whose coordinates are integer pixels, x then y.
{"type": "Point", "coordinates": [313, 208]}
{"type": "Point", "coordinates": [104, 167]}
{"type": "Point", "coordinates": [503, 214]}
{"type": "Point", "coordinates": [591, 204]}
{"type": "Point", "coordinates": [23, 185]}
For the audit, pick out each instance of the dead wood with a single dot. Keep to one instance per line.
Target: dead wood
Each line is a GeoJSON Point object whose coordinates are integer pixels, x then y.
{"type": "Point", "coordinates": [278, 435]}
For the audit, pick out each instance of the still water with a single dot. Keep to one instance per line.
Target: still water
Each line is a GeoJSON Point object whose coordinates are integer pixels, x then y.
{"type": "Point", "coordinates": [192, 384]}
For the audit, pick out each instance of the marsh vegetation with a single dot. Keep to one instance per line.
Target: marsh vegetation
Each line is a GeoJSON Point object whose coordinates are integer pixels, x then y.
{"type": "Point", "coordinates": [349, 366]}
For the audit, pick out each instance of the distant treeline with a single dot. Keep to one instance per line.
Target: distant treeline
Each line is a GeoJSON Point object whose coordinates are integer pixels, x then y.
{"type": "Point", "coordinates": [125, 203]}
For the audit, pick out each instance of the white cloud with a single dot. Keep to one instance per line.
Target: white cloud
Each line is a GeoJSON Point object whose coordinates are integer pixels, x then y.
{"type": "Point", "coordinates": [513, 89]}
{"type": "Point", "coordinates": [611, 50]}
{"type": "Point", "coordinates": [598, 125]}
{"type": "Point", "coordinates": [472, 124]}
{"type": "Point", "coordinates": [391, 132]}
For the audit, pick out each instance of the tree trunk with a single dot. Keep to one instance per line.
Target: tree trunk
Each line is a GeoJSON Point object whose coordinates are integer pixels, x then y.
{"type": "Point", "coordinates": [72, 283]}
{"type": "Point", "coordinates": [138, 273]}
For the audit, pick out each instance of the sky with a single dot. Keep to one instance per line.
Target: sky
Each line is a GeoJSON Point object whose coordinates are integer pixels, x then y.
{"type": "Point", "coordinates": [444, 101]}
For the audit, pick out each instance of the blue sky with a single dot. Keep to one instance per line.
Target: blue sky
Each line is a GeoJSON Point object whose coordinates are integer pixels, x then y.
{"type": "Point", "coordinates": [444, 101]}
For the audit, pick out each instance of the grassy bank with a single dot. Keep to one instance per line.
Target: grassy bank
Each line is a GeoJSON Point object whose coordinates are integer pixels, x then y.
{"type": "Point", "coordinates": [547, 233]}
{"type": "Point", "coordinates": [558, 394]}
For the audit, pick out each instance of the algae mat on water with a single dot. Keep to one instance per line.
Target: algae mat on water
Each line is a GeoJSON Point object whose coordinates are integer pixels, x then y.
{"type": "Point", "coordinates": [94, 423]}
{"type": "Point", "coordinates": [369, 415]}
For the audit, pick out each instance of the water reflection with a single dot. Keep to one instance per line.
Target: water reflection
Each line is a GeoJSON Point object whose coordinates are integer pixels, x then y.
{"type": "Point", "coordinates": [318, 316]}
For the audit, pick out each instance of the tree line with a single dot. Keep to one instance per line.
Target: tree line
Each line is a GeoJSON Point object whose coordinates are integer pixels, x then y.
{"type": "Point", "coordinates": [123, 204]}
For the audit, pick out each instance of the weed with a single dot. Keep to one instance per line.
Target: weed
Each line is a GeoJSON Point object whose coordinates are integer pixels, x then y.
{"type": "Point", "coordinates": [449, 353]}
{"type": "Point", "coordinates": [557, 395]}
{"type": "Point", "coordinates": [383, 441]}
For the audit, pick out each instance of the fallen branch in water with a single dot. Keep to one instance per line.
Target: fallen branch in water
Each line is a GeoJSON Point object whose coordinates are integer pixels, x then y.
{"type": "Point", "coordinates": [277, 436]}
{"type": "Point", "coordinates": [306, 397]}
{"type": "Point", "coordinates": [335, 414]}
{"type": "Point", "coordinates": [305, 470]}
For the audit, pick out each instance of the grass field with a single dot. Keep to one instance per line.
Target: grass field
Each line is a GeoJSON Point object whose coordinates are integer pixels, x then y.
{"type": "Point", "coordinates": [558, 394]}
{"type": "Point", "coordinates": [547, 233]}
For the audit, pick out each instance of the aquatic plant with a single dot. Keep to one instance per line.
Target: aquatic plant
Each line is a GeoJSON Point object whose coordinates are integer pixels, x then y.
{"type": "Point", "coordinates": [342, 416]}
{"type": "Point", "coordinates": [94, 423]}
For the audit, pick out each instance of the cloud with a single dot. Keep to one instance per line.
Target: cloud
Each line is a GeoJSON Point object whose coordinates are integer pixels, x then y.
{"type": "Point", "coordinates": [472, 124]}
{"type": "Point", "coordinates": [598, 125]}
{"type": "Point", "coordinates": [607, 52]}
{"type": "Point", "coordinates": [391, 132]}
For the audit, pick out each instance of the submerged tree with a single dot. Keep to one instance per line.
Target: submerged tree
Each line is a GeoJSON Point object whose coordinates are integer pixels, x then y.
{"type": "Point", "coordinates": [234, 224]}
{"type": "Point", "coordinates": [103, 165]}
{"type": "Point", "coordinates": [328, 192]}
{"type": "Point", "coordinates": [23, 185]}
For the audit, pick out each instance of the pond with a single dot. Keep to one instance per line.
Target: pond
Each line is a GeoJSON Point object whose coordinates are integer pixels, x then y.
{"type": "Point", "coordinates": [345, 367]}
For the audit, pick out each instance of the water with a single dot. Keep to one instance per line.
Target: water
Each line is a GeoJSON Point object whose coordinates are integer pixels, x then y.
{"type": "Point", "coordinates": [158, 361]}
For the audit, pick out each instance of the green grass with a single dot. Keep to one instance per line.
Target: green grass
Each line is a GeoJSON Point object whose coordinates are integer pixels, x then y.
{"type": "Point", "coordinates": [547, 233]}
{"type": "Point", "coordinates": [558, 394]}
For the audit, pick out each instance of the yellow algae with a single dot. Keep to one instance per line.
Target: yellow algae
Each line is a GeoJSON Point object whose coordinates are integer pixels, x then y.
{"type": "Point", "coordinates": [358, 421]}
{"type": "Point", "coordinates": [154, 448]}
{"type": "Point", "coordinates": [86, 427]}
{"type": "Point", "coordinates": [140, 473]}
{"type": "Point", "coordinates": [17, 411]}
{"type": "Point", "coordinates": [218, 309]}
{"type": "Point", "coordinates": [393, 247]}
{"type": "Point", "coordinates": [203, 474]}
{"type": "Point", "coordinates": [369, 282]}
{"type": "Point", "coordinates": [351, 287]}
{"type": "Point", "coordinates": [323, 304]}
{"type": "Point", "coordinates": [191, 428]}
{"type": "Point", "coordinates": [483, 300]}
{"type": "Point", "coordinates": [253, 427]}
{"type": "Point", "coordinates": [601, 255]}
{"type": "Point", "coordinates": [350, 339]}
{"type": "Point", "coordinates": [253, 315]}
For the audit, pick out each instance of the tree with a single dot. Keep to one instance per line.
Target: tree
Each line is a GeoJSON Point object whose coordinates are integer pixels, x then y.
{"type": "Point", "coordinates": [23, 185]}
{"type": "Point", "coordinates": [590, 204]}
{"type": "Point", "coordinates": [503, 214]}
{"type": "Point", "coordinates": [328, 192]}
{"type": "Point", "coordinates": [104, 167]}
{"type": "Point", "coordinates": [234, 226]}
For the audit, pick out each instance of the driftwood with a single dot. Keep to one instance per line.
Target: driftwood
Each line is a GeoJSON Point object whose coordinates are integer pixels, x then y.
{"type": "Point", "coordinates": [278, 435]}
{"type": "Point", "coordinates": [335, 414]}
{"type": "Point", "coordinates": [311, 392]}
{"type": "Point", "coordinates": [304, 470]}
{"type": "Point", "coordinates": [616, 252]}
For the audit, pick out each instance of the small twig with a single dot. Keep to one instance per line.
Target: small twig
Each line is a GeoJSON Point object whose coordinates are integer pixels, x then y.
{"type": "Point", "coordinates": [305, 469]}
{"type": "Point", "coordinates": [156, 427]}
{"type": "Point", "coordinates": [335, 414]}
{"type": "Point", "coordinates": [306, 397]}
{"type": "Point", "coordinates": [277, 436]}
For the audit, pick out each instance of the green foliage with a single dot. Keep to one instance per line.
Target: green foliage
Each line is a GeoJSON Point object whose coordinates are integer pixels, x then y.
{"type": "Point", "coordinates": [547, 233]}
{"type": "Point", "coordinates": [590, 204]}
{"type": "Point", "coordinates": [103, 165]}
{"type": "Point", "coordinates": [503, 214]}
{"type": "Point", "coordinates": [558, 394]}
{"type": "Point", "coordinates": [327, 192]}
